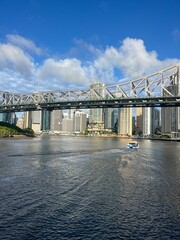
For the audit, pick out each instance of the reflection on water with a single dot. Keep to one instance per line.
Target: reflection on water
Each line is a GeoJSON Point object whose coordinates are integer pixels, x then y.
{"type": "Point", "coordinates": [89, 188]}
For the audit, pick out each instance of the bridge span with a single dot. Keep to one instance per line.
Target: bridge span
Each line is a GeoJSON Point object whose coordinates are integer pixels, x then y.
{"type": "Point", "coordinates": [160, 89]}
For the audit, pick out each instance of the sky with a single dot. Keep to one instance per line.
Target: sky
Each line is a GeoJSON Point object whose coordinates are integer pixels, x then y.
{"type": "Point", "coordinates": [50, 45]}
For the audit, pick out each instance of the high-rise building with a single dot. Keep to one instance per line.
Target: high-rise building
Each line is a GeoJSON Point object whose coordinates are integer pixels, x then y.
{"type": "Point", "coordinates": [125, 121]}
{"type": "Point", "coordinates": [67, 126]}
{"type": "Point", "coordinates": [147, 121]}
{"type": "Point", "coordinates": [70, 113]}
{"type": "Point", "coordinates": [170, 116]}
{"type": "Point", "coordinates": [56, 120]}
{"type": "Point", "coordinates": [79, 122]}
{"type": "Point", "coordinates": [36, 121]}
{"type": "Point", "coordinates": [96, 115]}
{"type": "Point", "coordinates": [155, 119]}
{"type": "Point", "coordinates": [27, 123]}
{"type": "Point", "coordinates": [108, 118]}
{"type": "Point", "coordinates": [46, 120]}
{"type": "Point", "coordinates": [133, 124]}
{"type": "Point", "coordinates": [115, 119]}
{"type": "Point", "coordinates": [96, 119]}
{"type": "Point", "coordinates": [139, 120]}
{"type": "Point", "coordinates": [8, 117]}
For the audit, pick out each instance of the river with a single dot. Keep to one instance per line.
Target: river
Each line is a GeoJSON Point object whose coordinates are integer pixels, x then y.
{"type": "Point", "coordinates": [89, 188]}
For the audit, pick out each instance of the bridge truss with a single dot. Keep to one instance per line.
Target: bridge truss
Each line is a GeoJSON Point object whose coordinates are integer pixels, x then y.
{"type": "Point", "coordinates": [158, 89]}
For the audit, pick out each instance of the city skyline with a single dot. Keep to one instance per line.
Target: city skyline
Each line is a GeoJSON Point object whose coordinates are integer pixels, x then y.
{"type": "Point", "coordinates": [70, 44]}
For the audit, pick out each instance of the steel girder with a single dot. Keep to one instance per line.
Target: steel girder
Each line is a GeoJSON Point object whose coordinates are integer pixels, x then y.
{"type": "Point", "coordinates": [164, 83]}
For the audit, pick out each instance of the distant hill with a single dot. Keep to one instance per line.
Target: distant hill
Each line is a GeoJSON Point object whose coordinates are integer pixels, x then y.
{"type": "Point", "coordinates": [9, 130]}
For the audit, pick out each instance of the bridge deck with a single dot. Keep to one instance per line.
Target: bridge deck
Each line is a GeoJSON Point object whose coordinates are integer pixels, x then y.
{"type": "Point", "coordinates": [160, 89]}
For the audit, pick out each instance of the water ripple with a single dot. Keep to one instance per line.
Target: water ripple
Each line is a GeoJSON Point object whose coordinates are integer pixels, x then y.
{"type": "Point", "coordinates": [101, 193]}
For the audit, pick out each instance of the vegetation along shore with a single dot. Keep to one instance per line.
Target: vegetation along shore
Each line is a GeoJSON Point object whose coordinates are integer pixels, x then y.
{"type": "Point", "coordinates": [9, 130]}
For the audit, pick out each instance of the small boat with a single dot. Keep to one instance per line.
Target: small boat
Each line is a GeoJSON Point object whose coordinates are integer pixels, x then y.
{"type": "Point", "coordinates": [132, 145]}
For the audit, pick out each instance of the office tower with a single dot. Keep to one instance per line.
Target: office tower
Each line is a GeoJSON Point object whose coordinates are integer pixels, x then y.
{"type": "Point", "coordinates": [67, 126]}
{"type": "Point", "coordinates": [155, 120]}
{"type": "Point", "coordinates": [139, 120]}
{"type": "Point", "coordinates": [56, 120]}
{"type": "Point", "coordinates": [36, 121]}
{"type": "Point", "coordinates": [166, 115]}
{"type": "Point", "coordinates": [27, 120]}
{"type": "Point", "coordinates": [133, 124]}
{"type": "Point", "coordinates": [70, 113]}
{"type": "Point", "coordinates": [125, 121]}
{"type": "Point", "coordinates": [9, 117]}
{"type": "Point", "coordinates": [151, 120]}
{"type": "Point", "coordinates": [79, 122]}
{"type": "Point", "coordinates": [115, 119]}
{"type": "Point", "coordinates": [108, 118]}
{"type": "Point", "coordinates": [96, 120]}
{"type": "Point", "coordinates": [147, 121]}
{"type": "Point", "coordinates": [170, 116]}
{"type": "Point", "coordinates": [13, 118]}
{"type": "Point", "coordinates": [45, 120]}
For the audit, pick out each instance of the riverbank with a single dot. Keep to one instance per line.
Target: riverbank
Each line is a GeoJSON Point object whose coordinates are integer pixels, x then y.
{"type": "Point", "coordinates": [113, 136]}
{"type": "Point", "coordinates": [17, 136]}
{"type": "Point", "coordinates": [165, 139]}
{"type": "Point", "coordinates": [157, 138]}
{"type": "Point", "coordinates": [8, 131]}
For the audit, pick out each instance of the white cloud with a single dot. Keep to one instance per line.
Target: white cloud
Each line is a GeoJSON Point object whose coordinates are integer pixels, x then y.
{"type": "Point", "coordinates": [23, 43]}
{"type": "Point", "coordinates": [135, 60]}
{"type": "Point", "coordinates": [13, 82]}
{"type": "Point", "coordinates": [13, 58]}
{"type": "Point", "coordinates": [62, 72]}
{"type": "Point", "coordinates": [71, 73]}
{"type": "Point", "coordinates": [19, 72]}
{"type": "Point", "coordinates": [132, 59]}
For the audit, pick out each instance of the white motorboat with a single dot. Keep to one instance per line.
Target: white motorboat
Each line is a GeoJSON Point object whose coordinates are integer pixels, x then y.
{"type": "Point", "coordinates": [132, 145]}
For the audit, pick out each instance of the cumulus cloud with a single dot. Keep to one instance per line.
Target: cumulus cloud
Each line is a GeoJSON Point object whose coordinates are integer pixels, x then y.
{"type": "Point", "coordinates": [14, 58]}
{"type": "Point", "coordinates": [63, 72]}
{"type": "Point", "coordinates": [135, 60]}
{"type": "Point", "coordinates": [24, 43]}
{"type": "Point", "coordinates": [132, 58]}
{"type": "Point", "coordinates": [12, 81]}
{"type": "Point", "coordinates": [20, 72]}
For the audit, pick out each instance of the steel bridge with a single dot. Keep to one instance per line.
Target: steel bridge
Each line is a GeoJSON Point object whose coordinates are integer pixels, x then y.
{"type": "Point", "coordinates": [160, 89]}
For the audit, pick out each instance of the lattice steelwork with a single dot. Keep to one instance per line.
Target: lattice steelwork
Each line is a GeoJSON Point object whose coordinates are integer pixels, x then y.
{"type": "Point", "coordinates": [151, 90]}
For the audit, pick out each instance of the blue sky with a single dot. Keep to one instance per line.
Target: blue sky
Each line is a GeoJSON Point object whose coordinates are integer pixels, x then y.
{"type": "Point", "coordinates": [57, 44]}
